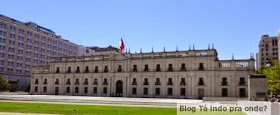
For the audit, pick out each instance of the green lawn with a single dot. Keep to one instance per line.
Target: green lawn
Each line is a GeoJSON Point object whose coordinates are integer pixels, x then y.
{"type": "Point", "coordinates": [92, 109]}
{"type": "Point", "coordinates": [82, 109]}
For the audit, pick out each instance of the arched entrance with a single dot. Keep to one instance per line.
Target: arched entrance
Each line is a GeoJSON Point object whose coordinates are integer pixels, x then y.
{"type": "Point", "coordinates": [119, 89]}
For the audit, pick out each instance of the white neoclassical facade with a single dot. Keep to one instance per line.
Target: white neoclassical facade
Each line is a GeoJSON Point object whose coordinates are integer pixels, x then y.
{"type": "Point", "coordinates": [177, 74]}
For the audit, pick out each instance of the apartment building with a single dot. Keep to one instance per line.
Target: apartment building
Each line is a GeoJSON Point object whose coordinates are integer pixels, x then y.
{"type": "Point", "coordinates": [23, 45]}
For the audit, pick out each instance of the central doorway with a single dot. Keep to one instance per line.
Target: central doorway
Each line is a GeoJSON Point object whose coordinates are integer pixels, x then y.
{"type": "Point", "coordinates": [119, 89]}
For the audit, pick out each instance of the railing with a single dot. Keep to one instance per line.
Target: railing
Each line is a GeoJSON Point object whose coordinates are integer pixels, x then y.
{"type": "Point", "coordinates": [157, 83]}
{"type": "Point", "coordinates": [224, 83]}
{"type": "Point", "coordinates": [182, 83]}
{"type": "Point", "coordinates": [146, 83]}
{"type": "Point", "coordinates": [200, 83]}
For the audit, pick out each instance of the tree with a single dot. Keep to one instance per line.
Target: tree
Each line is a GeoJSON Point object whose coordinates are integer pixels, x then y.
{"type": "Point", "coordinates": [4, 84]}
{"type": "Point", "coordinates": [273, 77]}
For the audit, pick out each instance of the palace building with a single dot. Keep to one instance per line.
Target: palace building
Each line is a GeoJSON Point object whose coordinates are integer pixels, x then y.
{"type": "Point", "coordinates": [176, 74]}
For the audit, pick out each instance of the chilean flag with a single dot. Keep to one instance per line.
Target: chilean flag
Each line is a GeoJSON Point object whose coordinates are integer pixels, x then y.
{"type": "Point", "coordinates": [121, 45]}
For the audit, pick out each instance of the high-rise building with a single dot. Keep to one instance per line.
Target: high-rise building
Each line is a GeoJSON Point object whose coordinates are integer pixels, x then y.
{"type": "Point", "coordinates": [268, 51]}
{"type": "Point", "coordinates": [23, 45]}
{"type": "Point", "coordinates": [278, 45]}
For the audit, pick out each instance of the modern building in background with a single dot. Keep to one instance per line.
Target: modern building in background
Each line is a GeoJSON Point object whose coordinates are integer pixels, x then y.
{"type": "Point", "coordinates": [23, 45]}
{"type": "Point", "coordinates": [176, 74]}
{"type": "Point", "coordinates": [268, 51]}
{"type": "Point", "coordinates": [278, 45]}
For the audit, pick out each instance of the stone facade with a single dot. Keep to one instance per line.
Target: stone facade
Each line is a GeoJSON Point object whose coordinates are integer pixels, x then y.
{"type": "Point", "coordinates": [178, 74]}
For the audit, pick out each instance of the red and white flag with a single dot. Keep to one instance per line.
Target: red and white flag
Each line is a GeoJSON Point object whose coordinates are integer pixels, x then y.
{"type": "Point", "coordinates": [121, 45]}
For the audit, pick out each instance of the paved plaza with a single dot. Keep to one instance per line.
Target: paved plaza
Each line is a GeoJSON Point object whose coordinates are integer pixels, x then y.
{"type": "Point", "coordinates": [86, 100]}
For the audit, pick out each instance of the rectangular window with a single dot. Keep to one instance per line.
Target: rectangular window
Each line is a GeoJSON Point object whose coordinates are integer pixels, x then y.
{"type": "Point", "coordinates": [85, 90]}
{"type": "Point", "coordinates": [169, 91]}
{"type": "Point", "coordinates": [134, 91]}
{"type": "Point", "coordinates": [106, 69]}
{"type": "Point", "coordinates": [36, 88]}
{"type": "Point", "coordinates": [242, 92]}
{"type": "Point", "coordinates": [134, 68]}
{"type": "Point", "coordinates": [158, 67]}
{"type": "Point", "coordinates": [170, 68]}
{"type": "Point", "coordinates": [157, 91]}
{"type": "Point", "coordinates": [68, 90]}
{"type": "Point", "coordinates": [105, 90]}
{"type": "Point", "coordinates": [96, 69]}
{"type": "Point", "coordinates": [224, 92]}
{"type": "Point", "coordinates": [95, 90]}
{"type": "Point", "coordinates": [145, 91]}
{"type": "Point", "coordinates": [200, 82]}
{"type": "Point", "coordinates": [45, 89]}
{"type": "Point", "coordinates": [183, 91]}
{"type": "Point", "coordinates": [120, 68]}
{"type": "Point", "coordinates": [146, 68]}
{"type": "Point", "coordinates": [201, 66]}
{"type": "Point", "coordinates": [76, 89]}
{"type": "Point", "coordinates": [183, 67]}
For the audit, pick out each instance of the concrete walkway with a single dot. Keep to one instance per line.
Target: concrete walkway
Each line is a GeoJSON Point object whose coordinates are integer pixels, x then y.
{"type": "Point", "coordinates": [87, 100]}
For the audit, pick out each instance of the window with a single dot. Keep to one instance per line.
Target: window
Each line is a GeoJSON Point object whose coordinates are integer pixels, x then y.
{"type": "Point", "coordinates": [157, 81]}
{"type": "Point", "coordinates": [146, 68]}
{"type": "Point", "coordinates": [57, 70]}
{"type": "Point", "coordinates": [86, 71]}
{"type": "Point", "coordinates": [78, 70]}
{"type": "Point", "coordinates": [96, 69]}
{"type": "Point", "coordinates": [200, 82]}
{"type": "Point", "coordinates": [56, 82]}
{"type": "Point", "coordinates": [45, 81]}
{"type": "Point", "coordinates": [183, 67]}
{"type": "Point", "coordinates": [36, 81]}
{"type": "Point", "coordinates": [183, 81]}
{"type": "Point", "coordinates": [36, 88]}
{"type": "Point", "coordinates": [158, 67]}
{"type": "Point", "coordinates": [134, 68]}
{"type": "Point", "coordinates": [86, 82]}
{"type": "Point", "coordinates": [134, 91]}
{"type": "Point", "coordinates": [45, 89]}
{"type": "Point", "coordinates": [120, 68]}
{"type": "Point", "coordinates": [242, 81]}
{"type": "Point", "coordinates": [76, 89]}
{"type": "Point", "coordinates": [85, 90]}
{"type": "Point", "coordinates": [68, 82]}
{"type": "Point", "coordinates": [201, 66]}
{"type": "Point", "coordinates": [134, 81]}
{"type": "Point", "coordinates": [157, 91]}
{"type": "Point", "coordinates": [169, 91]}
{"type": "Point", "coordinates": [94, 90]}
{"type": "Point", "coordinates": [224, 92]}
{"type": "Point", "coordinates": [77, 82]}
{"type": "Point", "coordinates": [170, 68]}
{"type": "Point", "coordinates": [105, 81]}
{"type": "Point", "coordinates": [106, 69]}
{"type": "Point", "coordinates": [183, 91]}
{"type": "Point", "coordinates": [169, 81]}
{"type": "Point", "coordinates": [67, 89]}
{"type": "Point", "coordinates": [69, 70]}
{"type": "Point", "coordinates": [145, 91]}
{"type": "Point", "coordinates": [242, 92]}
{"type": "Point", "coordinates": [146, 81]}
{"type": "Point", "coordinates": [95, 81]}
{"type": "Point", "coordinates": [105, 90]}
{"type": "Point", "coordinates": [224, 81]}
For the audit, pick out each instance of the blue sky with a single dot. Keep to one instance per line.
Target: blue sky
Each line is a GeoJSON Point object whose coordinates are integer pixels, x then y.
{"type": "Point", "coordinates": [234, 26]}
